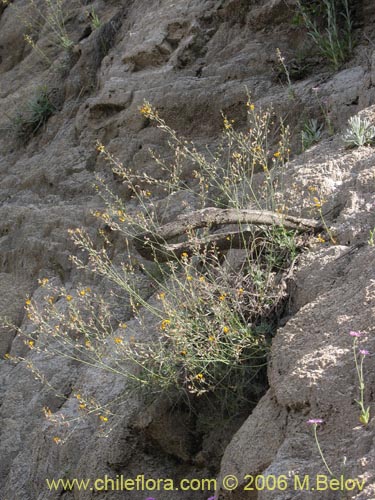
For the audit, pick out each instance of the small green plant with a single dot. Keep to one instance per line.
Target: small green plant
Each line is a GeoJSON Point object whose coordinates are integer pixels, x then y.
{"type": "Point", "coordinates": [318, 203]}
{"type": "Point", "coordinates": [311, 133]}
{"type": "Point", "coordinates": [50, 14]}
{"type": "Point", "coordinates": [359, 357]}
{"type": "Point", "coordinates": [325, 110]}
{"type": "Point", "coordinates": [94, 19]}
{"type": "Point", "coordinates": [334, 40]}
{"type": "Point", "coordinates": [36, 114]}
{"type": "Point", "coordinates": [314, 422]}
{"type": "Point", "coordinates": [284, 67]}
{"type": "Point", "coordinates": [360, 132]}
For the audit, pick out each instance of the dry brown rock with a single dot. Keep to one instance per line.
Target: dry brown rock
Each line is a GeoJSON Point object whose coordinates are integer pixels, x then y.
{"type": "Point", "coordinates": [312, 375]}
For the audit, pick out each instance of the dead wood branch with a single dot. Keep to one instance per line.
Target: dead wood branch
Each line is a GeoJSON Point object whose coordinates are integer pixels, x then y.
{"type": "Point", "coordinates": [154, 246]}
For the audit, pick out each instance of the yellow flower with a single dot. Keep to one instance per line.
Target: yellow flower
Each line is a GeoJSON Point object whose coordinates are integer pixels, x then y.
{"type": "Point", "coordinates": [31, 343]}
{"type": "Point", "coordinates": [51, 300]}
{"type": "Point", "coordinates": [321, 239]}
{"type": "Point", "coordinates": [277, 154]}
{"type": "Point", "coordinates": [312, 189]}
{"type": "Point", "coordinates": [317, 202]}
{"type": "Point", "coordinates": [222, 296]}
{"type": "Point", "coordinates": [100, 148]}
{"type": "Point", "coordinates": [121, 215]}
{"type": "Point", "coordinates": [280, 210]}
{"type": "Point", "coordinates": [82, 293]}
{"type": "Point", "coordinates": [183, 353]}
{"type": "Point", "coordinates": [123, 325]}
{"type": "Point", "coordinates": [202, 279]}
{"type": "Point", "coordinates": [78, 396]}
{"type": "Point", "coordinates": [7, 355]}
{"type": "Point", "coordinates": [184, 255]}
{"type": "Point", "coordinates": [103, 419]}
{"type": "Point", "coordinates": [227, 124]}
{"type": "Point", "coordinates": [250, 106]}
{"type": "Point", "coordinates": [161, 296]}
{"type": "Point", "coordinates": [28, 302]}
{"type": "Point", "coordinates": [57, 440]}
{"type": "Point", "coordinates": [146, 110]}
{"type": "Point", "coordinates": [69, 298]}
{"type": "Point", "coordinates": [118, 340]}
{"type": "Point", "coordinates": [165, 323]}
{"type": "Point", "coordinates": [240, 291]}
{"type": "Point", "coordinates": [200, 376]}
{"type": "Point", "coordinates": [148, 193]}
{"type": "Point", "coordinates": [189, 278]}
{"type": "Point", "coordinates": [47, 411]}
{"type": "Point", "coordinates": [211, 338]}
{"type": "Point", "coordinates": [88, 344]}
{"type": "Point", "coordinates": [27, 38]}
{"type": "Point", "coordinates": [226, 329]}
{"type": "Point", "coordinates": [43, 281]}
{"type": "Point", "coordinates": [82, 406]}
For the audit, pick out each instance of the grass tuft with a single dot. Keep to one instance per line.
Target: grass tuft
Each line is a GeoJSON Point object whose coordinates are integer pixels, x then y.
{"type": "Point", "coordinates": [38, 110]}
{"type": "Point", "coordinates": [334, 35]}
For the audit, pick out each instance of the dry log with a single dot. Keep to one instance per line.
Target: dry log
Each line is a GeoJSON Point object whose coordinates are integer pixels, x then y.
{"type": "Point", "coordinates": [156, 246]}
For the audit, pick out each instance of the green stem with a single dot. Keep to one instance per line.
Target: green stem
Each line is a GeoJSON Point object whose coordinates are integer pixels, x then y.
{"type": "Point", "coordinates": [329, 232]}
{"type": "Point", "coordinates": [359, 369]}
{"type": "Point", "coordinates": [362, 386]}
{"type": "Point", "coordinates": [320, 451]}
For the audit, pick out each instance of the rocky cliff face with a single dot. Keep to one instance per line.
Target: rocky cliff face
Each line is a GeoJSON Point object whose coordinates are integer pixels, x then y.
{"type": "Point", "coordinates": [193, 60]}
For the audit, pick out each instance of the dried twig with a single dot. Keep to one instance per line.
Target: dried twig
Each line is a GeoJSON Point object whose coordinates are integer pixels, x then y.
{"type": "Point", "coordinates": [155, 245]}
